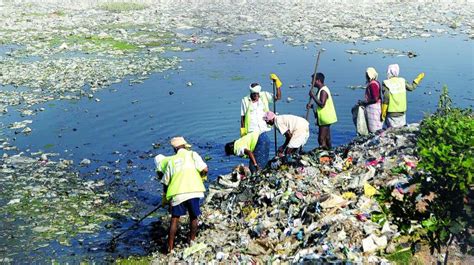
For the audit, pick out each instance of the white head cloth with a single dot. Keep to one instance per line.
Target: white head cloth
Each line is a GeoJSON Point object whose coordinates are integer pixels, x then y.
{"type": "Point", "coordinates": [255, 89]}
{"type": "Point", "coordinates": [393, 70]}
{"type": "Point", "coordinates": [371, 73]}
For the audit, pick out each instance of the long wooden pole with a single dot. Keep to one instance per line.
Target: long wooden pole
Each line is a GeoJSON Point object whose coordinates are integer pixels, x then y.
{"type": "Point", "coordinates": [274, 111]}
{"type": "Point", "coordinates": [312, 83]}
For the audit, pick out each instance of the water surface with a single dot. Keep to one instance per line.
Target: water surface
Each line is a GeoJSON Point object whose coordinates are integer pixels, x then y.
{"type": "Point", "coordinates": [119, 130]}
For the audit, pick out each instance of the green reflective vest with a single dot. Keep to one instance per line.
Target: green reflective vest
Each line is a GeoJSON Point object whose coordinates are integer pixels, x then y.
{"type": "Point", "coordinates": [250, 110]}
{"type": "Point", "coordinates": [248, 141]}
{"type": "Point", "coordinates": [397, 94]}
{"type": "Point", "coordinates": [186, 177]}
{"type": "Point", "coordinates": [326, 115]}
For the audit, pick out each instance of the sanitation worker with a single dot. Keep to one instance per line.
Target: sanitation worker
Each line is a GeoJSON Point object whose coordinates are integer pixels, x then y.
{"type": "Point", "coordinates": [294, 128]}
{"type": "Point", "coordinates": [254, 106]}
{"type": "Point", "coordinates": [325, 113]}
{"type": "Point", "coordinates": [373, 101]}
{"type": "Point", "coordinates": [183, 187]}
{"type": "Point", "coordinates": [394, 104]}
{"type": "Point", "coordinates": [255, 146]}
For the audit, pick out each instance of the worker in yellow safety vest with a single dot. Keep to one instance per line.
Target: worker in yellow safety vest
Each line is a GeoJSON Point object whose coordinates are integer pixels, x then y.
{"type": "Point", "coordinates": [255, 146]}
{"type": "Point", "coordinates": [254, 107]}
{"type": "Point", "coordinates": [183, 187]}
{"type": "Point", "coordinates": [394, 104]}
{"type": "Point", "coordinates": [325, 112]}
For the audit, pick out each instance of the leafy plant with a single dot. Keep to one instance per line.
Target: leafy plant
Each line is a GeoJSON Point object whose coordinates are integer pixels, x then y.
{"type": "Point", "coordinates": [446, 149]}
{"type": "Point", "coordinates": [434, 205]}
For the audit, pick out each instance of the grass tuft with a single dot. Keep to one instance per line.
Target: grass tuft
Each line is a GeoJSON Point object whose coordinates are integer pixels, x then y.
{"type": "Point", "coordinates": [122, 6]}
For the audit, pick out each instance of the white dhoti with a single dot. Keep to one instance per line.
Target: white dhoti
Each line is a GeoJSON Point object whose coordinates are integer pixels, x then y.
{"type": "Point", "coordinates": [298, 139]}
{"type": "Point", "coordinates": [396, 122]}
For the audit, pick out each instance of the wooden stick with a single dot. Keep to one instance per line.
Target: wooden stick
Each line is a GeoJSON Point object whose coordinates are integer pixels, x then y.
{"type": "Point", "coordinates": [312, 83]}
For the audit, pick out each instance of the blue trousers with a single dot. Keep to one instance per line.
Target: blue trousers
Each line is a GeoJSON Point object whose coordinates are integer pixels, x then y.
{"type": "Point", "coordinates": [261, 152]}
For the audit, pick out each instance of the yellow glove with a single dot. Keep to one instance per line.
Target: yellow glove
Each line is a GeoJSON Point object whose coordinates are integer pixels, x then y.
{"type": "Point", "coordinates": [384, 111]}
{"type": "Point", "coordinates": [275, 79]}
{"type": "Point", "coordinates": [243, 132]}
{"type": "Point", "coordinates": [419, 78]}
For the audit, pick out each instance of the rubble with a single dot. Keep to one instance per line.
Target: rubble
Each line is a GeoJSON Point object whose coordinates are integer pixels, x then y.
{"type": "Point", "coordinates": [322, 212]}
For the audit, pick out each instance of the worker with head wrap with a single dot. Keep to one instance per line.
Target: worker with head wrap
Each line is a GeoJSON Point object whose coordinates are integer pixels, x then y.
{"type": "Point", "coordinates": [183, 187]}
{"type": "Point", "coordinates": [254, 106]}
{"type": "Point", "coordinates": [373, 101]}
{"type": "Point", "coordinates": [294, 128]}
{"type": "Point", "coordinates": [394, 104]}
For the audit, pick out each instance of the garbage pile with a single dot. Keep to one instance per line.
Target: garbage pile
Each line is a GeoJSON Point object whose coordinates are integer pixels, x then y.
{"type": "Point", "coordinates": [321, 208]}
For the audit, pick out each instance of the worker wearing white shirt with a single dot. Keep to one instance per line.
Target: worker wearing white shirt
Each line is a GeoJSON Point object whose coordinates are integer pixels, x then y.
{"type": "Point", "coordinates": [295, 129]}
{"type": "Point", "coordinates": [253, 109]}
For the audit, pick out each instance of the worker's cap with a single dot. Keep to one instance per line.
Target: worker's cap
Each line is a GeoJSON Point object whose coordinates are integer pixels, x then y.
{"type": "Point", "coordinates": [255, 88]}
{"type": "Point", "coordinates": [269, 116]}
{"type": "Point", "coordinates": [179, 141]}
{"type": "Point", "coordinates": [158, 160]}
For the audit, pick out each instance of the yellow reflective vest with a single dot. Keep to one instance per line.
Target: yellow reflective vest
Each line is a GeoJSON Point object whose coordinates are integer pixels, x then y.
{"type": "Point", "coordinates": [186, 177]}
{"type": "Point", "coordinates": [250, 110]}
{"type": "Point", "coordinates": [248, 141]}
{"type": "Point", "coordinates": [327, 114]}
{"type": "Point", "coordinates": [397, 94]}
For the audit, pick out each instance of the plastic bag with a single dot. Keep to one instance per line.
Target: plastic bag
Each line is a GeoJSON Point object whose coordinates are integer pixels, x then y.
{"type": "Point", "coordinates": [358, 116]}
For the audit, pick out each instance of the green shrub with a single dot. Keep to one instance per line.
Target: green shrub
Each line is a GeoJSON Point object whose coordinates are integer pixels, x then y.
{"type": "Point", "coordinates": [445, 147]}
{"type": "Point", "coordinates": [438, 205]}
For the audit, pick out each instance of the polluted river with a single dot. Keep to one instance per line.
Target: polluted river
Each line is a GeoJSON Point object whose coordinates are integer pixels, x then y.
{"type": "Point", "coordinates": [77, 165]}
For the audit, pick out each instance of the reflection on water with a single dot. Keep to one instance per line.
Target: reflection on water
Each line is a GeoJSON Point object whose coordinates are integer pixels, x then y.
{"type": "Point", "coordinates": [119, 131]}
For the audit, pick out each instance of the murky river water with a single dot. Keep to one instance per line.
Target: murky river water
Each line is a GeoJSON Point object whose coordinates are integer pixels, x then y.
{"type": "Point", "coordinates": [120, 129]}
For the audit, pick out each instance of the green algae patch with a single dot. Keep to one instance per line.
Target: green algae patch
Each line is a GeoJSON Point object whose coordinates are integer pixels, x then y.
{"type": "Point", "coordinates": [135, 261]}
{"type": "Point", "coordinates": [122, 6]}
{"type": "Point", "coordinates": [48, 146]}
{"type": "Point", "coordinates": [237, 78]}
{"type": "Point", "coordinates": [46, 201]}
{"type": "Point", "coordinates": [94, 43]}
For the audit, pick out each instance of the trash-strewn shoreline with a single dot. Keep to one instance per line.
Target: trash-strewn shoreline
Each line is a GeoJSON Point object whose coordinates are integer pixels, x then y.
{"type": "Point", "coordinates": [321, 209]}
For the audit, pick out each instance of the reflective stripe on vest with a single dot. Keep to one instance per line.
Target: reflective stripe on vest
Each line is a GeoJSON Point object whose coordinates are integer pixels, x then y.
{"type": "Point", "coordinates": [249, 110]}
{"type": "Point", "coordinates": [398, 94]}
{"type": "Point", "coordinates": [248, 141]}
{"type": "Point", "coordinates": [326, 115]}
{"type": "Point", "coordinates": [186, 178]}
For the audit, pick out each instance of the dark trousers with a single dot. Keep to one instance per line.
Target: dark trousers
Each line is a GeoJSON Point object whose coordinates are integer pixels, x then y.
{"type": "Point", "coordinates": [261, 152]}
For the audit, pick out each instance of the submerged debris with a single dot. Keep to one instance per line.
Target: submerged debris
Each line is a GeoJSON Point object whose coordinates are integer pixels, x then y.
{"type": "Point", "coordinates": [49, 200]}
